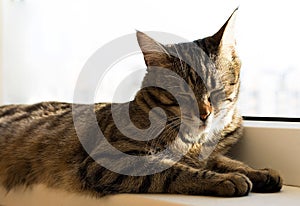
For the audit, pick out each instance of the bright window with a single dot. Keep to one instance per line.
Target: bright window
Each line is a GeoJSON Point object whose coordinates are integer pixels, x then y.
{"type": "Point", "coordinates": [46, 43]}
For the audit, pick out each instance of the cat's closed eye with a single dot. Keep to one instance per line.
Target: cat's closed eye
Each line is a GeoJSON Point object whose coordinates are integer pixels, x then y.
{"type": "Point", "coordinates": [229, 99]}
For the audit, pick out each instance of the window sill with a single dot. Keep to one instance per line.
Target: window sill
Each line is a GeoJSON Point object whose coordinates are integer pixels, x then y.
{"type": "Point", "coordinates": [40, 195]}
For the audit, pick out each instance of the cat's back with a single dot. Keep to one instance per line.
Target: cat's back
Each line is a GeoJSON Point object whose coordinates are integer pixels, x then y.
{"type": "Point", "coordinates": [20, 112]}
{"type": "Point", "coordinates": [26, 119]}
{"type": "Point", "coordinates": [35, 129]}
{"type": "Point", "coordinates": [44, 121]}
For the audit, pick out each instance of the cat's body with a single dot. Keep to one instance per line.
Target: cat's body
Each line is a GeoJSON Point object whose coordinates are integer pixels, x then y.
{"type": "Point", "coordinates": [39, 143]}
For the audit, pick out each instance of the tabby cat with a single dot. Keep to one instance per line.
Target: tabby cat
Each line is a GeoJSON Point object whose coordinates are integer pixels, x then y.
{"type": "Point", "coordinates": [39, 143]}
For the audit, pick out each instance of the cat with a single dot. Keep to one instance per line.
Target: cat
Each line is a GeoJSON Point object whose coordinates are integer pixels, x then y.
{"type": "Point", "coordinates": [39, 143]}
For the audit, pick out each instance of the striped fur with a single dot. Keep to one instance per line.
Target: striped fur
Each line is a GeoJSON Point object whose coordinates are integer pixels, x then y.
{"type": "Point", "coordinates": [39, 144]}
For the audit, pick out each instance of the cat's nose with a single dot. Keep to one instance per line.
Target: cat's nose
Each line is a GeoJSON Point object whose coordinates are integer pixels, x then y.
{"type": "Point", "coordinates": [204, 117]}
{"type": "Point", "coordinates": [205, 111]}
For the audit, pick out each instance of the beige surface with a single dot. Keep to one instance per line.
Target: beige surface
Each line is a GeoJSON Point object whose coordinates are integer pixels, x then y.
{"type": "Point", "coordinates": [289, 196]}
{"type": "Point", "coordinates": [40, 195]}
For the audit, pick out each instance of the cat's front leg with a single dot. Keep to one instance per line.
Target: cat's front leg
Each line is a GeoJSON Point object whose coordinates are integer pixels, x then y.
{"type": "Point", "coordinates": [178, 179]}
{"type": "Point", "coordinates": [186, 180]}
{"type": "Point", "coordinates": [263, 180]}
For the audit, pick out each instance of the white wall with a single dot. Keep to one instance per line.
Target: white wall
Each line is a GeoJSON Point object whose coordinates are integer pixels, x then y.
{"type": "Point", "coordinates": [47, 42]}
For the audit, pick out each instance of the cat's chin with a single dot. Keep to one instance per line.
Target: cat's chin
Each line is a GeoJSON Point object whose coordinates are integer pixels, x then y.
{"type": "Point", "coordinates": [195, 136]}
{"type": "Point", "coordinates": [195, 132]}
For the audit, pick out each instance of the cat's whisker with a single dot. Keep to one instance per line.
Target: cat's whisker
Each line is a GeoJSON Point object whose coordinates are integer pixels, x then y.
{"type": "Point", "coordinates": [168, 129]}
{"type": "Point", "coordinates": [168, 132]}
{"type": "Point", "coordinates": [153, 131]}
{"type": "Point", "coordinates": [169, 125]}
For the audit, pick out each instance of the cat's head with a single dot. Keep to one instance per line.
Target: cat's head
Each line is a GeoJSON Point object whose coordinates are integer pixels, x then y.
{"type": "Point", "coordinates": [209, 68]}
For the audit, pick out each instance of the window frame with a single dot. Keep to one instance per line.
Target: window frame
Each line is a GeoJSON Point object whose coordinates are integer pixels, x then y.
{"type": "Point", "coordinates": [272, 119]}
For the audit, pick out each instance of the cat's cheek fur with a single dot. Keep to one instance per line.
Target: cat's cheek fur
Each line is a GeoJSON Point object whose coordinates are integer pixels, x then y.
{"type": "Point", "coordinates": [223, 119]}
{"type": "Point", "coordinates": [179, 146]}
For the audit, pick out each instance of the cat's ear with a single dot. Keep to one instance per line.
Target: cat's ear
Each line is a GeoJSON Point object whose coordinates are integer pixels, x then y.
{"type": "Point", "coordinates": [225, 38]}
{"type": "Point", "coordinates": [221, 43]}
{"type": "Point", "coordinates": [154, 52]}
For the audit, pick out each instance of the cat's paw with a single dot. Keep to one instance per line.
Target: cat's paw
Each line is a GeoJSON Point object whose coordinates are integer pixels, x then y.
{"type": "Point", "coordinates": [265, 180]}
{"type": "Point", "coordinates": [234, 185]}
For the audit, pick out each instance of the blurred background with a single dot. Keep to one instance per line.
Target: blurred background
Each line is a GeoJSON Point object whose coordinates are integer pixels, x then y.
{"type": "Point", "coordinates": [45, 44]}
